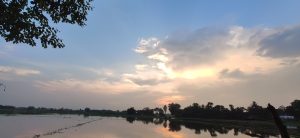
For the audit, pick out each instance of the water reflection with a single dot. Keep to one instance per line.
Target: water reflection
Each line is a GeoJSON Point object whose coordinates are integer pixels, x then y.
{"type": "Point", "coordinates": [57, 126]}
{"type": "Point", "coordinates": [213, 128]}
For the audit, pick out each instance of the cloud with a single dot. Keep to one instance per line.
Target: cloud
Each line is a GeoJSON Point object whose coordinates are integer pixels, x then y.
{"type": "Point", "coordinates": [18, 71]}
{"type": "Point", "coordinates": [142, 82]}
{"type": "Point", "coordinates": [290, 61]}
{"type": "Point", "coordinates": [146, 46]}
{"type": "Point", "coordinates": [237, 73]}
{"type": "Point", "coordinates": [205, 52]}
{"type": "Point", "coordinates": [284, 42]}
{"type": "Point", "coordinates": [101, 72]}
{"type": "Point", "coordinates": [146, 75]}
{"type": "Point", "coordinates": [188, 64]}
{"type": "Point", "coordinates": [96, 86]}
{"type": "Point", "coordinates": [222, 65]}
{"type": "Point", "coordinates": [206, 59]}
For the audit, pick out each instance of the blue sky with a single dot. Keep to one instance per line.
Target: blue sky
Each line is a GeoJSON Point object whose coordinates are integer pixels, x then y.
{"type": "Point", "coordinates": [116, 53]}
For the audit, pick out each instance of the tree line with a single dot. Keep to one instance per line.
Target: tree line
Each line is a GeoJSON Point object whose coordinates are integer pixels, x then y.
{"type": "Point", "coordinates": [4, 109]}
{"type": "Point", "coordinates": [211, 111]}
{"type": "Point", "coordinates": [195, 110]}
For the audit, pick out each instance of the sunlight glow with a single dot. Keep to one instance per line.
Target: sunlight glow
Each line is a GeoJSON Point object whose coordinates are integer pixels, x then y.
{"type": "Point", "coordinates": [197, 73]}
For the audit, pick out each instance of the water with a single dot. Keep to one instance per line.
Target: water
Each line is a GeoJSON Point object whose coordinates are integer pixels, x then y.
{"type": "Point", "coordinates": [72, 126]}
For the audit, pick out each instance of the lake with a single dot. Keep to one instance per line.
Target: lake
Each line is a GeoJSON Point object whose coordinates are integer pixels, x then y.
{"type": "Point", "coordinates": [73, 126]}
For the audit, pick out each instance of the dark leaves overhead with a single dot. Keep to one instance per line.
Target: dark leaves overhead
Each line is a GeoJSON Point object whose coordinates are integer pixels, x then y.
{"type": "Point", "coordinates": [27, 21]}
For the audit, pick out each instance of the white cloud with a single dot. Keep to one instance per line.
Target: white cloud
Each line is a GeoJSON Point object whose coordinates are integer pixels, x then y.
{"type": "Point", "coordinates": [19, 71]}
{"type": "Point", "coordinates": [101, 72]}
{"type": "Point", "coordinates": [145, 75]}
{"type": "Point", "coordinates": [141, 66]}
{"type": "Point", "coordinates": [96, 86]}
{"type": "Point", "coordinates": [147, 45]}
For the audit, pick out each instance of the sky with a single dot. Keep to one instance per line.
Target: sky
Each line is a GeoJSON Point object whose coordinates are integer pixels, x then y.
{"type": "Point", "coordinates": [144, 53]}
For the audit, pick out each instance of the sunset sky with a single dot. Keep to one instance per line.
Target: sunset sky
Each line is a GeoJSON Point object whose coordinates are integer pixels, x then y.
{"type": "Point", "coordinates": [147, 53]}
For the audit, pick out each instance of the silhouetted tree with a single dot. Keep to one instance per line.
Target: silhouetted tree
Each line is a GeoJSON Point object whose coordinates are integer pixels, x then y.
{"type": "Point", "coordinates": [209, 105]}
{"type": "Point", "coordinates": [231, 107]}
{"type": "Point", "coordinates": [158, 111]}
{"type": "Point", "coordinates": [294, 109]}
{"type": "Point", "coordinates": [174, 108]}
{"type": "Point", "coordinates": [145, 112]}
{"type": "Point", "coordinates": [296, 104]}
{"type": "Point", "coordinates": [26, 21]}
{"type": "Point", "coordinates": [281, 110]}
{"type": "Point", "coordinates": [131, 111]}
{"type": "Point", "coordinates": [257, 112]}
{"type": "Point", "coordinates": [165, 109]}
{"type": "Point", "coordinates": [87, 111]}
{"type": "Point", "coordinates": [30, 110]}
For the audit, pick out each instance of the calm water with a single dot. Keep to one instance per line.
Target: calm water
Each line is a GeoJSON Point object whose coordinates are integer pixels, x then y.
{"type": "Point", "coordinates": [71, 126]}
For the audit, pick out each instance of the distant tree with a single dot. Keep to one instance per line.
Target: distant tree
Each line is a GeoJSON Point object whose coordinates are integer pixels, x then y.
{"type": "Point", "coordinates": [158, 111]}
{"type": "Point", "coordinates": [145, 112]}
{"type": "Point", "coordinates": [257, 112]}
{"type": "Point", "coordinates": [209, 105]}
{"type": "Point", "coordinates": [254, 107]}
{"type": "Point", "coordinates": [231, 107]}
{"type": "Point", "coordinates": [294, 108]}
{"type": "Point", "coordinates": [281, 110]}
{"type": "Point", "coordinates": [26, 21]}
{"type": "Point", "coordinates": [131, 111]}
{"type": "Point", "coordinates": [289, 110]}
{"type": "Point", "coordinates": [195, 105]}
{"type": "Point", "coordinates": [219, 108]}
{"type": "Point", "coordinates": [165, 109]}
{"type": "Point", "coordinates": [3, 86]}
{"type": "Point", "coordinates": [174, 108]}
{"type": "Point", "coordinates": [30, 110]}
{"type": "Point", "coordinates": [296, 105]}
{"type": "Point", "coordinates": [87, 111]}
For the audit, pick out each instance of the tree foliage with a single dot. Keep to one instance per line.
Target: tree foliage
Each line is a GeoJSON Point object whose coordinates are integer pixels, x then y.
{"type": "Point", "coordinates": [174, 108]}
{"type": "Point", "coordinates": [165, 108]}
{"type": "Point", "coordinates": [2, 85]}
{"type": "Point", "coordinates": [131, 111]}
{"type": "Point", "coordinates": [27, 21]}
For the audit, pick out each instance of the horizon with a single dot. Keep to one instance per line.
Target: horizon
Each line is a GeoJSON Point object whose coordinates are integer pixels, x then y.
{"type": "Point", "coordinates": [151, 53]}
